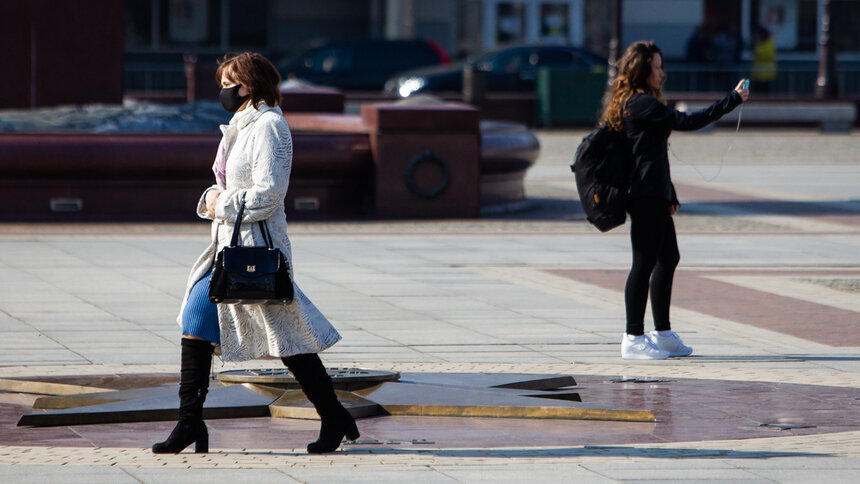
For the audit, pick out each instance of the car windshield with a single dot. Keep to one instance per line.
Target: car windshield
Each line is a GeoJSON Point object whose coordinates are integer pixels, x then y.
{"type": "Point", "coordinates": [512, 61]}
{"type": "Point", "coordinates": [484, 56]}
{"type": "Point", "coordinates": [326, 58]}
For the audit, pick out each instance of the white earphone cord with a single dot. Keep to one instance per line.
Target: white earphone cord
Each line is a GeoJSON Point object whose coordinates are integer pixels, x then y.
{"type": "Point", "coordinates": [722, 158]}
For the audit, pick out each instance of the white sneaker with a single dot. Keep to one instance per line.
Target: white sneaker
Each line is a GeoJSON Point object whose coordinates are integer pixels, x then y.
{"type": "Point", "coordinates": [671, 344]}
{"type": "Point", "coordinates": [640, 348]}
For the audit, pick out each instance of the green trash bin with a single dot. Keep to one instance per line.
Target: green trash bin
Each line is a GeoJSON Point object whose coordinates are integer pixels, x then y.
{"type": "Point", "coordinates": [570, 96]}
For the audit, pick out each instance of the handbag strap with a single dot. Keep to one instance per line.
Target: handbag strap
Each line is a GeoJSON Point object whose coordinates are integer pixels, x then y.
{"type": "Point", "coordinates": [264, 229]}
{"type": "Point", "coordinates": [234, 241]}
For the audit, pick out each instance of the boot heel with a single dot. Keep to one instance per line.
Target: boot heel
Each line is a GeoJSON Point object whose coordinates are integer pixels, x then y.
{"type": "Point", "coordinates": [352, 432]}
{"type": "Point", "coordinates": [201, 445]}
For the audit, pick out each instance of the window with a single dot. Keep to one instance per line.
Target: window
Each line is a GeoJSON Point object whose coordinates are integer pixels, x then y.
{"type": "Point", "coordinates": [190, 22]}
{"type": "Point", "coordinates": [780, 18]}
{"type": "Point", "coordinates": [510, 22]}
{"type": "Point", "coordinates": [554, 22]}
{"type": "Point", "coordinates": [196, 25]}
{"type": "Point", "coordinates": [794, 24]}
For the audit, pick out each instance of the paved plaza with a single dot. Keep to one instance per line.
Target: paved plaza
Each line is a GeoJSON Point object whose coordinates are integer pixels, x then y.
{"type": "Point", "coordinates": [767, 294]}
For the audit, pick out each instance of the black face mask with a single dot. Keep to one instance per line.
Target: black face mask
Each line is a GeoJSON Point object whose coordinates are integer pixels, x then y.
{"type": "Point", "coordinates": [230, 98]}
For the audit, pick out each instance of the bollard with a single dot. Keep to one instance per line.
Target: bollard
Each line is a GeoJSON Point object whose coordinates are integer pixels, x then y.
{"type": "Point", "coordinates": [474, 85]}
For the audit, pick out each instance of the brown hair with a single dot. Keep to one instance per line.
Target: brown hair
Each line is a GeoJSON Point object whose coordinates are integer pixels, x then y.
{"type": "Point", "coordinates": [634, 67]}
{"type": "Point", "coordinates": [256, 73]}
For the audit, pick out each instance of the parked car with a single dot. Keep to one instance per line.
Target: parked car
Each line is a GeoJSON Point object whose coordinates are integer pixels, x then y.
{"type": "Point", "coordinates": [508, 69]}
{"type": "Point", "coordinates": [361, 65]}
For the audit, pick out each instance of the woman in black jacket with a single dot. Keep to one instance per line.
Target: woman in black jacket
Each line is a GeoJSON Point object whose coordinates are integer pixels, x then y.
{"type": "Point", "coordinates": [636, 107]}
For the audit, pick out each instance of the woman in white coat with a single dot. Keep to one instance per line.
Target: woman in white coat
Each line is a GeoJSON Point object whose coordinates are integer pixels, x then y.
{"type": "Point", "coordinates": [252, 163]}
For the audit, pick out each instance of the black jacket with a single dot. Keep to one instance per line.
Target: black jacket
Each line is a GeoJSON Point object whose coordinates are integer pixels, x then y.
{"type": "Point", "coordinates": [647, 125]}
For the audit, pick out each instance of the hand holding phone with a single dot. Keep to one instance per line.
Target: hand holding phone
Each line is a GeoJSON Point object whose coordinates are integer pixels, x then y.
{"type": "Point", "coordinates": [743, 89]}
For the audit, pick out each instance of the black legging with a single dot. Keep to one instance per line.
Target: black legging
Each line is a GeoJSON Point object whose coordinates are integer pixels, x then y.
{"type": "Point", "coordinates": [655, 256]}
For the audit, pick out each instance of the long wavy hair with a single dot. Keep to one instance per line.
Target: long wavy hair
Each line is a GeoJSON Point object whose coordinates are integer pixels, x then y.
{"type": "Point", "coordinates": [634, 67]}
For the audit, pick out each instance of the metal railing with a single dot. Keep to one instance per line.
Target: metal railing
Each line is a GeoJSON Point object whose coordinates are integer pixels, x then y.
{"type": "Point", "coordinates": [153, 77]}
{"type": "Point", "coordinates": [791, 79]}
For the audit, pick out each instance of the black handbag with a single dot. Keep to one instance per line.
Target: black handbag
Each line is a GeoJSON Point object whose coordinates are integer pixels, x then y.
{"type": "Point", "coordinates": [250, 275]}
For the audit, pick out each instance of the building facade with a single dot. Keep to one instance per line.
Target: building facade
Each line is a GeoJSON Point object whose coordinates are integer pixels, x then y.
{"type": "Point", "coordinates": [159, 32]}
{"type": "Point", "coordinates": [466, 26]}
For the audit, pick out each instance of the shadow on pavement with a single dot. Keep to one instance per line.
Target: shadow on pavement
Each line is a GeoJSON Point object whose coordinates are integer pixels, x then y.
{"type": "Point", "coordinates": [772, 358]}
{"type": "Point", "coordinates": [544, 209]}
{"type": "Point", "coordinates": [774, 207]}
{"type": "Point", "coordinates": [556, 452]}
{"type": "Point", "coordinates": [561, 209]}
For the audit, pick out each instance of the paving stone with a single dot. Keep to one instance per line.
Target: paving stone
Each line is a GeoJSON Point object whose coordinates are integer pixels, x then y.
{"type": "Point", "coordinates": [72, 475]}
{"type": "Point", "coordinates": [474, 296]}
{"type": "Point", "coordinates": [370, 475]}
{"type": "Point", "coordinates": [206, 476]}
{"type": "Point", "coordinates": [524, 473]}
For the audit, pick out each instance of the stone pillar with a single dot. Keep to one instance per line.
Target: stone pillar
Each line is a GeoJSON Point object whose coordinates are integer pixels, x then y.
{"type": "Point", "coordinates": [400, 19]}
{"type": "Point", "coordinates": [474, 85]}
{"type": "Point", "coordinates": [616, 48]}
{"type": "Point", "coordinates": [827, 83]}
{"type": "Point", "coordinates": [426, 160]}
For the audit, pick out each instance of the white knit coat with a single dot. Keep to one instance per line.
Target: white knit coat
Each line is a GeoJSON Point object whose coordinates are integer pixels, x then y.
{"type": "Point", "coordinates": [259, 157]}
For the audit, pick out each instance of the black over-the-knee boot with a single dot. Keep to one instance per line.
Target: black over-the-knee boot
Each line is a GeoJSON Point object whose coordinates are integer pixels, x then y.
{"type": "Point", "coordinates": [315, 382]}
{"type": "Point", "coordinates": [193, 387]}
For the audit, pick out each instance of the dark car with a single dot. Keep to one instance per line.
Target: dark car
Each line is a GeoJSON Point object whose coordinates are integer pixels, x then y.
{"type": "Point", "coordinates": [364, 64]}
{"type": "Point", "coordinates": [508, 69]}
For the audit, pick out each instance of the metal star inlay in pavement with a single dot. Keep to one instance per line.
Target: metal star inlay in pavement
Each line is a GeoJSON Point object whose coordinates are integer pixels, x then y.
{"type": "Point", "coordinates": [365, 393]}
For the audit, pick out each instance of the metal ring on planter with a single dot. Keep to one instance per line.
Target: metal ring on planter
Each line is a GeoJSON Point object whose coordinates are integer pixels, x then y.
{"type": "Point", "coordinates": [428, 156]}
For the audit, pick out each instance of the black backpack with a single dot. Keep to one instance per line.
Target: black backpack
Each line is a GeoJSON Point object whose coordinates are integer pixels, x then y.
{"type": "Point", "coordinates": [603, 165]}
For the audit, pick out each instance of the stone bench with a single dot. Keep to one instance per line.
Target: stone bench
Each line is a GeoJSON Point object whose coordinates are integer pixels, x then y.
{"type": "Point", "coordinates": [159, 177]}
{"type": "Point", "coordinates": [829, 116]}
